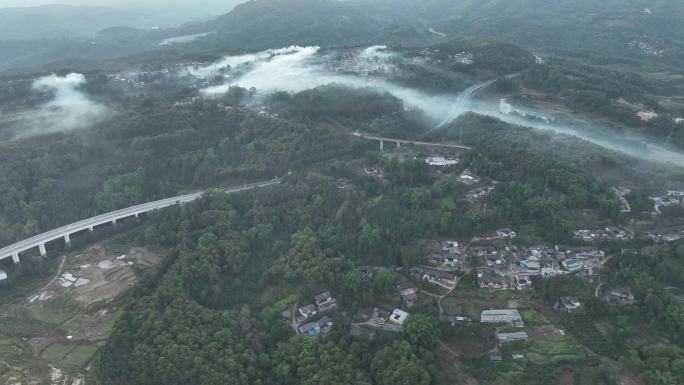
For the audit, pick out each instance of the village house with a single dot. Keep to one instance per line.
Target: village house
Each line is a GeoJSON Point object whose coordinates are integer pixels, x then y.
{"type": "Point", "coordinates": [619, 297]}
{"type": "Point", "coordinates": [506, 233]}
{"type": "Point", "coordinates": [408, 291]}
{"type": "Point", "coordinates": [467, 178]}
{"type": "Point", "coordinates": [487, 279]}
{"type": "Point", "coordinates": [437, 277]}
{"type": "Point", "coordinates": [453, 255]}
{"type": "Point", "coordinates": [509, 317]}
{"type": "Point", "coordinates": [307, 311]}
{"type": "Point", "coordinates": [3, 275]}
{"type": "Point", "coordinates": [475, 194]}
{"type": "Point", "coordinates": [368, 272]}
{"type": "Point", "coordinates": [511, 337]}
{"type": "Point", "coordinates": [531, 265]}
{"type": "Point", "coordinates": [569, 304]}
{"type": "Point", "coordinates": [325, 301]}
{"type": "Point", "coordinates": [343, 183]}
{"type": "Point", "coordinates": [572, 265]}
{"type": "Point", "coordinates": [398, 317]}
{"type": "Point", "coordinates": [372, 171]}
{"type": "Point", "coordinates": [440, 161]}
{"type": "Point", "coordinates": [495, 357]}
{"type": "Point", "coordinates": [379, 316]}
{"type": "Point", "coordinates": [322, 326]}
{"type": "Point", "coordinates": [489, 253]}
{"type": "Point", "coordinates": [578, 252]}
{"type": "Point", "coordinates": [453, 261]}
{"type": "Point", "coordinates": [450, 247]}
{"type": "Point", "coordinates": [523, 281]}
{"type": "Point", "coordinates": [454, 319]}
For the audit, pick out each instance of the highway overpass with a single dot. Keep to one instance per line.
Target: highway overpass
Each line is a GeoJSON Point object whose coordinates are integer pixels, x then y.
{"type": "Point", "coordinates": [399, 142]}
{"type": "Point", "coordinates": [65, 232]}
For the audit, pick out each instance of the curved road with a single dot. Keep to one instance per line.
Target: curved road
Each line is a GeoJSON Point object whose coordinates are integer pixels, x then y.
{"type": "Point", "coordinates": [12, 251]}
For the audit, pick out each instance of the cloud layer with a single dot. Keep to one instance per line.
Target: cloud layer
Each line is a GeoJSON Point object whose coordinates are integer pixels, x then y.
{"type": "Point", "coordinates": [296, 69]}
{"type": "Point", "coordinates": [69, 108]}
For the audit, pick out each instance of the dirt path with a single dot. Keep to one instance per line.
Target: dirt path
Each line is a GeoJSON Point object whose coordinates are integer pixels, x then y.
{"type": "Point", "coordinates": [598, 289]}
{"type": "Point", "coordinates": [293, 318]}
{"type": "Point", "coordinates": [439, 298]}
{"type": "Point", "coordinates": [59, 272]}
{"type": "Point", "coordinates": [448, 349]}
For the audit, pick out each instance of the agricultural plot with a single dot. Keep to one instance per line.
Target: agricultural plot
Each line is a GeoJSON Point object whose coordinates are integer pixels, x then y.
{"type": "Point", "coordinates": [69, 355]}
{"type": "Point", "coordinates": [555, 352]}
{"type": "Point", "coordinates": [584, 329]}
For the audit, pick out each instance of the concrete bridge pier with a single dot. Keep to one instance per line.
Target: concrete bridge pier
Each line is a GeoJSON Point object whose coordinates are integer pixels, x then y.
{"type": "Point", "coordinates": [67, 240]}
{"type": "Point", "coordinates": [91, 229]}
{"type": "Point", "coordinates": [15, 258]}
{"type": "Point", "coordinates": [41, 247]}
{"type": "Point", "coordinates": [382, 144]}
{"type": "Point", "coordinates": [398, 144]}
{"type": "Point", "coordinates": [137, 217]}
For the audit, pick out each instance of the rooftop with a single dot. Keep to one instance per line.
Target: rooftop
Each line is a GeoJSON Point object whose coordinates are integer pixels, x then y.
{"type": "Point", "coordinates": [501, 316]}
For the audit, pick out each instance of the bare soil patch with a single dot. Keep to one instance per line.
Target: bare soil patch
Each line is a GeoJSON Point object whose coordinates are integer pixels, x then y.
{"type": "Point", "coordinates": [454, 373]}
{"type": "Point", "coordinates": [61, 326]}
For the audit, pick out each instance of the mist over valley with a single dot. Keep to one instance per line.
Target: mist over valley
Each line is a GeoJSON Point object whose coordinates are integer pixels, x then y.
{"type": "Point", "coordinates": [357, 192]}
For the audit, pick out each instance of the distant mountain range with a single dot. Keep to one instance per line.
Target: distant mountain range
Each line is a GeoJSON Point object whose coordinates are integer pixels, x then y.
{"type": "Point", "coordinates": [632, 29]}
{"type": "Point", "coordinates": [63, 21]}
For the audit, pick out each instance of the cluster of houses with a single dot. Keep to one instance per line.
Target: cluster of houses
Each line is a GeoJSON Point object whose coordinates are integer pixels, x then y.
{"type": "Point", "coordinates": [671, 198]}
{"type": "Point", "coordinates": [142, 78]}
{"type": "Point", "coordinates": [371, 61]}
{"type": "Point", "coordinates": [514, 268]}
{"type": "Point", "coordinates": [667, 234]}
{"type": "Point", "coordinates": [322, 303]}
{"type": "Point", "coordinates": [389, 321]}
{"type": "Point", "coordinates": [606, 234]}
{"type": "Point", "coordinates": [264, 112]}
{"type": "Point", "coordinates": [186, 102]}
{"type": "Point", "coordinates": [465, 58]}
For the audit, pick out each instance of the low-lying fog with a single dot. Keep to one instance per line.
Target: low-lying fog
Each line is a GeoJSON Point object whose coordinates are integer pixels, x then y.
{"type": "Point", "coordinates": [69, 108]}
{"type": "Point", "coordinates": [296, 69]}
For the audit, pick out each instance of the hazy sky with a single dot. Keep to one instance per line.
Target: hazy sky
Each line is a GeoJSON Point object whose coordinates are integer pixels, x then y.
{"type": "Point", "coordinates": [29, 3]}
{"type": "Point", "coordinates": [165, 12]}
{"type": "Point", "coordinates": [215, 7]}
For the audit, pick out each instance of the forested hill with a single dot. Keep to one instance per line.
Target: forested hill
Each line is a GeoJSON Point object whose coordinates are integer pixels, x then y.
{"type": "Point", "coordinates": [603, 31]}
{"type": "Point", "coordinates": [635, 29]}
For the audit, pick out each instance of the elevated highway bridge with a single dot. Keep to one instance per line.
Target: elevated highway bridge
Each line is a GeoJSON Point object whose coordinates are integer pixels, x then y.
{"type": "Point", "coordinates": [65, 232]}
